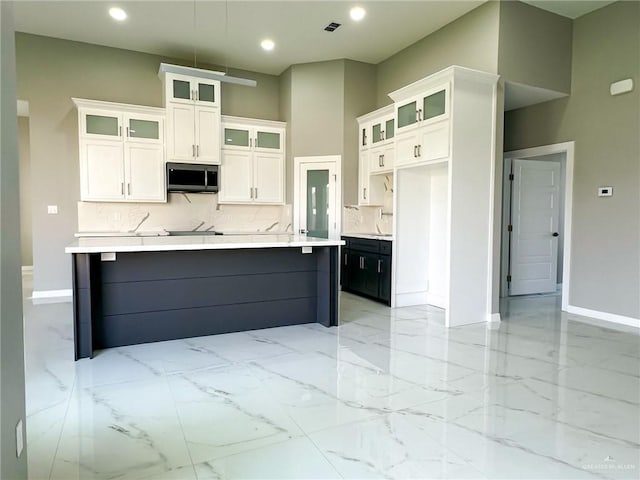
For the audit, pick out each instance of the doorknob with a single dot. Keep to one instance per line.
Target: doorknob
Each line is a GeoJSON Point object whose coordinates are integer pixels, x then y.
{"type": "Point", "coordinates": [555, 234]}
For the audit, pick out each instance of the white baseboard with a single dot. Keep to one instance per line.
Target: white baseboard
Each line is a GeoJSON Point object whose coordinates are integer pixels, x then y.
{"type": "Point", "coordinates": [52, 296]}
{"type": "Point", "coordinates": [436, 300]}
{"type": "Point", "coordinates": [411, 299]}
{"type": "Point", "coordinates": [493, 318]}
{"type": "Point", "coordinates": [27, 269]}
{"type": "Point", "coordinates": [607, 317]}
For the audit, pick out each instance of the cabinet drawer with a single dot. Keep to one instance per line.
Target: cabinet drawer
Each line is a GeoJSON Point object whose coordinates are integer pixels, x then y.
{"type": "Point", "coordinates": [435, 142]}
{"type": "Point", "coordinates": [364, 245]}
{"type": "Point", "coordinates": [385, 247]}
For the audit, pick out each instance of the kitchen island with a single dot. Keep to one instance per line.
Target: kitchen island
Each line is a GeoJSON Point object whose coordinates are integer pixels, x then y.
{"type": "Point", "coordinates": [129, 290]}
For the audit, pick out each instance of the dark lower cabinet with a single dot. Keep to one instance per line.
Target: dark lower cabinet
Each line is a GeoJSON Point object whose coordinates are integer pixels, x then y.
{"type": "Point", "coordinates": [366, 268]}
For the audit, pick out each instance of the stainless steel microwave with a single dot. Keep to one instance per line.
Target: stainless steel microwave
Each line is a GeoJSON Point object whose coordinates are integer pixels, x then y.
{"type": "Point", "coordinates": [192, 177]}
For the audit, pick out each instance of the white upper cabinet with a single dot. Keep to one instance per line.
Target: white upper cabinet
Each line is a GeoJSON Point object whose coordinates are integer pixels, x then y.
{"type": "Point", "coordinates": [191, 91]}
{"type": "Point", "coordinates": [378, 129]}
{"type": "Point", "coordinates": [121, 152]}
{"type": "Point", "coordinates": [253, 157]}
{"type": "Point", "coordinates": [432, 105]}
{"type": "Point", "coordinates": [193, 118]}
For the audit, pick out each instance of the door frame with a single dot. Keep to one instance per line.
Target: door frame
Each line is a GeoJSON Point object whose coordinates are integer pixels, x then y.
{"type": "Point", "coordinates": [568, 148]}
{"type": "Point", "coordinates": [297, 188]}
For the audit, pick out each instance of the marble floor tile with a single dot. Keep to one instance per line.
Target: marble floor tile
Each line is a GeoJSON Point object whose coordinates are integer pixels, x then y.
{"type": "Point", "coordinates": [297, 458]}
{"type": "Point", "coordinates": [390, 393]}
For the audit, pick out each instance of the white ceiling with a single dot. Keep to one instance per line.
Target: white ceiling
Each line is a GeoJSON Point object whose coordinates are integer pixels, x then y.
{"type": "Point", "coordinates": [569, 8]}
{"type": "Point", "coordinates": [229, 33]}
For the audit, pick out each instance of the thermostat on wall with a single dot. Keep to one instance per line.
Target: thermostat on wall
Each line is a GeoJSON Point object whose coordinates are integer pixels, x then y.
{"type": "Point", "coordinates": [605, 191]}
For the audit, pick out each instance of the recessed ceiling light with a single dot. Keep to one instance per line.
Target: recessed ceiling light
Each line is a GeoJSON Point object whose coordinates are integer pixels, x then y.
{"type": "Point", "coordinates": [267, 44]}
{"type": "Point", "coordinates": [118, 14]}
{"type": "Point", "coordinates": [357, 13]}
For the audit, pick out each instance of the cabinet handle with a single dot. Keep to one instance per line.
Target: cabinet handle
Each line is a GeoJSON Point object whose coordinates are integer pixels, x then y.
{"type": "Point", "coordinates": [419, 150]}
{"type": "Point", "coordinates": [127, 131]}
{"type": "Point", "coordinates": [128, 189]}
{"type": "Point", "coordinates": [362, 261]}
{"type": "Point", "coordinates": [193, 150]}
{"type": "Point", "coordinates": [364, 192]}
{"type": "Point", "coordinates": [420, 114]}
{"type": "Point", "coordinates": [251, 143]}
{"type": "Point", "coordinates": [120, 131]}
{"type": "Point", "coordinates": [256, 190]}
{"type": "Point", "coordinates": [379, 265]}
{"type": "Point", "coordinates": [197, 95]}
{"type": "Point", "coordinates": [346, 262]}
{"type": "Point", "coordinates": [415, 151]}
{"type": "Point", "coordinates": [382, 159]}
{"type": "Point", "coordinates": [381, 134]}
{"type": "Point", "coordinates": [251, 192]}
{"type": "Point", "coordinates": [122, 188]}
{"type": "Point", "coordinates": [197, 150]}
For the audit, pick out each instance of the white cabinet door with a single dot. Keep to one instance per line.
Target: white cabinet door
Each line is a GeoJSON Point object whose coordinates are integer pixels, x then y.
{"type": "Point", "coordinates": [406, 149]}
{"type": "Point", "coordinates": [236, 137]}
{"type": "Point", "coordinates": [268, 179]}
{"type": "Point", "coordinates": [179, 89]}
{"type": "Point", "coordinates": [144, 168]}
{"type": "Point", "coordinates": [268, 140]}
{"type": "Point", "coordinates": [207, 92]}
{"type": "Point", "coordinates": [207, 135]}
{"type": "Point", "coordinates": [236, 182]}
{"type": "Point", "coordinates": [387, 158]}
{"type": "Point", "coordinates": [143, 129]}
{"type": "Point", "coordinates": [100, 124]}
{"type": "Point", "coordinates": [101, 170]}
{"type": "Point", "coordinates": [181, 135]}
{"type": "Point", "coordinates": [434, 142]}
{"type": "Point", "coordinates": [363, 179]}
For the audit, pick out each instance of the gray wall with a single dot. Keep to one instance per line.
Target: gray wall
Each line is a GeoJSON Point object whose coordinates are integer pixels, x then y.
{"type": "Point", "coordinates": [534, 47]}
{"type": "Point", "coordinates": [605, 258]}
{"type": "Point", "coordinates": [316, 121]}
{"type": "Point", "coordinates": [50, 72]}
{"type": "Point", "coordinates": [25, 191]}
{"type": "Point", "coordinates": [359, 98]}
{"type": "Point", "coordinates": [11, 340]}
{"type": "Point", "coordinates": [470, 41]}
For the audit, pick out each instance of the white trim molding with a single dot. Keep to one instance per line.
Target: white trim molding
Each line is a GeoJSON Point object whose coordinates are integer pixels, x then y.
{"type": "Point", "coordinates": [569, 149]}
{"type": "Point", "coordinates": [27, 269]}
{"type": "Point", "coordinates": [493, 318]}
{"type": "Point", "coordinates": [606, 316]}
{"type": "Point", "coordinates": [52, 296]}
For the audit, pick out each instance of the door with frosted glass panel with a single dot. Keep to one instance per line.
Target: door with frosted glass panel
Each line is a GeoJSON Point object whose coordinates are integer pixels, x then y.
{"type": "Point", "coordinates": [318, 200]}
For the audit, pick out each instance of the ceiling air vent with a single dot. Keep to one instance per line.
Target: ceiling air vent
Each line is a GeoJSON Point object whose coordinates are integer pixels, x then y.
{"type": "Point", "coordinates": [332, 26]}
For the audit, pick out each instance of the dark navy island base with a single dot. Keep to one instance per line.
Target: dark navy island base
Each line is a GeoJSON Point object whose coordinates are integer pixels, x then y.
{"type": "Point", "coordinates": [153, 296]}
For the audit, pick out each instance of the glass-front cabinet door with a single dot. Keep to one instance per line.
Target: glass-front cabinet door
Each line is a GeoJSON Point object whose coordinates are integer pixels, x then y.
{"type": "Point", "coordinates": [407, 114]}
{"type": "Point", "coordinates": [377, 132]}
{"type": "Point", "coordinates": [268, 140]}
{"type": "Point", "coordinates": [390, 128]}
{"type": "Point", "coordinates": [236, 137]}
{"type": "Point", "coordinates": [207, 92]}
{"type": "Point", "coordinates": [144, 129]}
{"type": "Point", "coordinates": [103, 125]}
{"type": "Point", "coordinates": [434, 105]}
{"type": "Point", "coordinates": [186, 89]}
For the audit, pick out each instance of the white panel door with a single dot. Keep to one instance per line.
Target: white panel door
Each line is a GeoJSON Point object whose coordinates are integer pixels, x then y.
{"type": "Point", "coordinates": [534, 217]}
{"type": "Point", "coordinates": [181, 134]}
{"type": "Point", "coordinates": [268, 178]}
{"type": "Point", "coordinates": [101, 170]}
{"type": "Point", "coordinates": [236, 182]}
{"type": "Point", "coordinates": [144, 164]}
{"type": "Point", "coordinates": [207, 135]}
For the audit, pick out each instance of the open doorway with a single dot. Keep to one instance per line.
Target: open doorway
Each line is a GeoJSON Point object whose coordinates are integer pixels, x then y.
{"type": "Point", "coordinates": [536, 216]}
{"type": "Point", "coordinates": [317, 202]}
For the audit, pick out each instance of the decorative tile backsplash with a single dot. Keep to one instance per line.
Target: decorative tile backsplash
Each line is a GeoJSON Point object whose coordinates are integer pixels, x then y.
{"type": "Point", "coordinates": [365, 219]}
{"type": "Point", "coordinates": [183, 211]}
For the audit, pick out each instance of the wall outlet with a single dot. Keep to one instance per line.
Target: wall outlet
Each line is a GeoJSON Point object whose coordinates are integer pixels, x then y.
{"type": "Point", "coordinates": [52, 209]}
{"type": "Point", "coordinates": [19, 439]}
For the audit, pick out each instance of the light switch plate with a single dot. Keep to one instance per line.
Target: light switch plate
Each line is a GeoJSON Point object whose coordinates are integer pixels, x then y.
{"type": "Point", "coordinates": [52, 209]}
{"type": "Point", "coordinates": [19, 439]}
{"type": "Point", "coordinates": [605, 191]}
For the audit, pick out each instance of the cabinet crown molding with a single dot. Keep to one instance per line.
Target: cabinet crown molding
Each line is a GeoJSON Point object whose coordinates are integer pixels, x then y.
{"type": "Point", "coordinates": [117, 107]}
{"type": "Point", "coordinates": [258, 122]}
{"type": "Point", "coordinates": [386, 110]}
{"type": "Point", "coordinates": [435, 80]}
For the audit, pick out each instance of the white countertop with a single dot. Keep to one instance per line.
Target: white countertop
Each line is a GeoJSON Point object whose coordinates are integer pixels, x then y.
{"type": "Point", "coordinates": [372, 236]}
{"type": "Point", "coordinates": [194, 242]}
